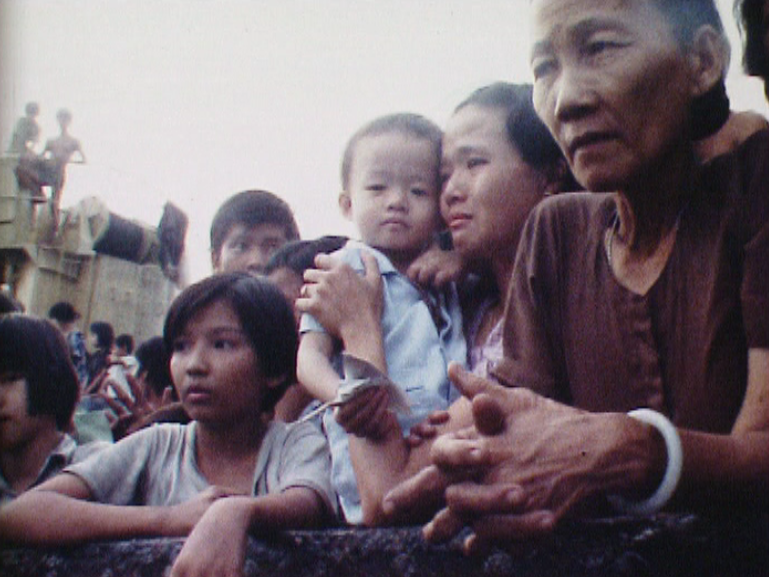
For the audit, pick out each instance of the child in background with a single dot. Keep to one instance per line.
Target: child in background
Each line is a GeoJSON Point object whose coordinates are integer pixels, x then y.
{"type": "Point", "coordinates": [390, 179]}
{"type": "Point", "coordinates": [248, 227]}
{"type": "Point", "coordinates": [38, 393]}
{"type": "Point", "coordinates": [286, 269]}
{"type": "Point", "coordinates": [231, 471]}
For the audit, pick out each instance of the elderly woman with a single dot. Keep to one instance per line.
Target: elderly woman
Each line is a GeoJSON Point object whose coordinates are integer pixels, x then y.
{"type": "Point", "coordinates": [651, 296]}
{"type": "Point", "coordinates": [498, 162]}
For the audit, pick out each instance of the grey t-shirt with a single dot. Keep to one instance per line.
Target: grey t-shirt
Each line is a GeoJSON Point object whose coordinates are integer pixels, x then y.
{"type": "Point", "coordinates": [157, 466]}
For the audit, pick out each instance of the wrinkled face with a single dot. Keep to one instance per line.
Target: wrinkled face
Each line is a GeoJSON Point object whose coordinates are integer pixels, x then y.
{"type": "Point", "coordinates": [488, 189]}
{"type": "Point", "coordinates": [17, 427]}
{"type": "Point", "coordinates": [215, 369]}
{"type": "Point", "coordinates": [612, 85]}
{"type": "Point", "coordinates": [393, 194]}
{"type": "Point", "coordinates": [247, 249]}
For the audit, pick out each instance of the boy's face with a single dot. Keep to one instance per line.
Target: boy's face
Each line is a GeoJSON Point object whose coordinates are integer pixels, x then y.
{"type": "Point", "coordinates": [393, 194]}
{"type": "Point", "coordinates": [17, 427]}
{"type": "Point", "coordinates": [290, 284]}
{"type": "Point", "coordinates": [247, 249]}
{"type": "Point", "coordinates": [215, 369]}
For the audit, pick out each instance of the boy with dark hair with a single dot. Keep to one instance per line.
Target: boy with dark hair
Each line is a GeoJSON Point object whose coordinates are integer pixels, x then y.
{"type": "Point", "coordinates": [247, 229]}
{"type": "Point", "coordinates": [38, 393]}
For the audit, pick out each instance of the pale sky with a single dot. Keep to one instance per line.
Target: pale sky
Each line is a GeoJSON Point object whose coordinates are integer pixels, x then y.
{"type": "Point", "coordinates": [190, 101]}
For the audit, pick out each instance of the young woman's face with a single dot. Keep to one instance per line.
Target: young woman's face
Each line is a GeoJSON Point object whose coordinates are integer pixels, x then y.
{"type": "Point", "coordinates": [613, 85]}
{"type": "Point", "coordinates": [215, 369]}
{"type": "Point", "coordinates": [488, 189]}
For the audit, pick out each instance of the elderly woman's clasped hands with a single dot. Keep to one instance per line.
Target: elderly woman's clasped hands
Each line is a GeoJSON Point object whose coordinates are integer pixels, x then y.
{"type": "Point", "coordinates": [525, 463]}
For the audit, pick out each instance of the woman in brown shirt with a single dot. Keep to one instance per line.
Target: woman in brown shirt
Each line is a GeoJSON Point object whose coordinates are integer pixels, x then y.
{"type": "Point", "coordinates": [652, 295]}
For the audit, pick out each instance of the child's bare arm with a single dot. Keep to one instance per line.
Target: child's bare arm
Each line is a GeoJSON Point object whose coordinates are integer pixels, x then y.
{"type": "Point", "coordinates": [217, 544]}
{"type": "Point", "coordinates": [382, 463]}
{"type": "Point", "coordinates": [60, 511]}
{"type": "Point", "coordinates": [313, 366]}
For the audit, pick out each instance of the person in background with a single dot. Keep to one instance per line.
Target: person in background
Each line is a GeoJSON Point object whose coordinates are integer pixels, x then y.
{"type": "Point", "coordinates": [101, 340]}
{"type": "Point", "coordinates": [391, 190]}
{"type": "Point", "coordinates": [124, 348]}
{"type": "Point", "coordinates": [65, 317]}
{"type": "Point", "coordinates": [27, 132]}
{"type": "Point", "coordinates": [752, 17]}
{"type": "Point", "coordinates": [8, 304]}
{"type": "Point", "coordinates": [231, 471]}
{"type": "Point", "coordinates": [248, 227]}
{"type": "Point", "coordinates": [38, 392]}
{"type": "Point", "coordinates": [285, 268]}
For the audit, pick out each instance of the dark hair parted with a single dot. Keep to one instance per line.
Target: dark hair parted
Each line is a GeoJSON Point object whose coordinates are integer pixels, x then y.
{"type": "Point", "coordinates": [105, 334]}
{"type": "Point", "coordinates": [35, 349]}
{"type": "Point", "coordinates": [405, 123]}
{"type": "Point", "coordinates": [299, 255]}
{"type": "Point", "coordinates": [153, 361]}
{"type": "Point", "coordinates": [755, 57]}
{"type": "Point", "coordinates": [525, 131]}
{"type": "Point", "coordinates": [252, 208]}
{"type": "Point", "coordinates": [264, 313]}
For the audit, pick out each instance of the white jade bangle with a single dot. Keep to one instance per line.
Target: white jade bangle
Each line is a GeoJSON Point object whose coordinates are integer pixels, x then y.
{"type": "Point", "coordinates": [672, 475]}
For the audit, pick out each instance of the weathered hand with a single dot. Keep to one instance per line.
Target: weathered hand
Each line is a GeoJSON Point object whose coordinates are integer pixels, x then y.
{"type": "Point", "coordinates": [526, 463]}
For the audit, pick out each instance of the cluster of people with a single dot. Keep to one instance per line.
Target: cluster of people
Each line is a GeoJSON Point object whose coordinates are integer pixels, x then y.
{"type": "Point", "coordinates": [47, 169]}
{"type": "Point", "coordinates": [555, 307]}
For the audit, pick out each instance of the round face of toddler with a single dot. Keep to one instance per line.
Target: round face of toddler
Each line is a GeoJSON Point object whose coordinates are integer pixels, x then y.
{"type": "Point", "coordinates": [393, 193]}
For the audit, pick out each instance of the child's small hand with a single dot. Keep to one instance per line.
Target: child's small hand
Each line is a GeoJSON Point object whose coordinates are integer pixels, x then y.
{"type": "Point", "coordinates": [367, 414]}
{"type": "Point", "coordinates": [436, 268]}
{"type": "Point", "coordinates": [217, 544]}
{"type": "Point", "coordinates": [426, 430]}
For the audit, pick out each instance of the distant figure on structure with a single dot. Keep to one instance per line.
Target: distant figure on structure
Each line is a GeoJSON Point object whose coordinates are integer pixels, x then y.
{"type": "Point", "coordinates": [27, 131]}
{"type": "Point", "coordinates": [50, 167]}
{"type": "Point", "coordinates": [58, 152]}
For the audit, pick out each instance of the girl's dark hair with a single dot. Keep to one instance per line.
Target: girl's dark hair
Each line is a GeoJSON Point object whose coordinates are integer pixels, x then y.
{"type": "Point", "coordinates": [755, 59]}
{"type": "Point", "coordinates": [525, 131]}
{"type": "Point", "coordinates": [105, 334]}
{"type": "Point", "coordinates": [35, 349]}
{"type": "Point", "coordinates": [264, 313]}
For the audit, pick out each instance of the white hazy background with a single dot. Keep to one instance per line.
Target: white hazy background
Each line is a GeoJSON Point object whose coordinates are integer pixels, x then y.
{"type": "Point", "coordinates": [191, 101]}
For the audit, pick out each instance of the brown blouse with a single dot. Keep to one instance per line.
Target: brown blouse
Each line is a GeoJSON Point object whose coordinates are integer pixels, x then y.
{"type": "Point", "coordinates": [572, 332]}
